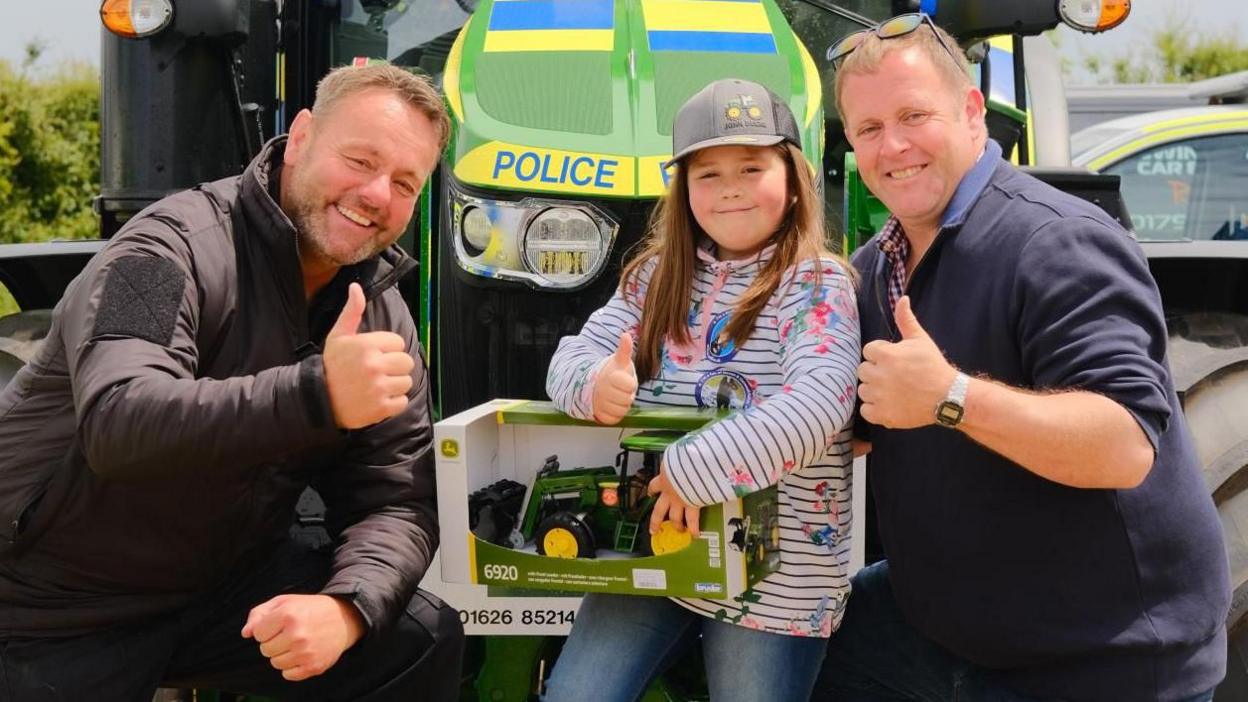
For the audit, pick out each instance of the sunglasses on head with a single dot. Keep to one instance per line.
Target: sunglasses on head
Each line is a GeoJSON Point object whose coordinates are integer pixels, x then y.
{"type": "Point", "coordinates": [898, 26]}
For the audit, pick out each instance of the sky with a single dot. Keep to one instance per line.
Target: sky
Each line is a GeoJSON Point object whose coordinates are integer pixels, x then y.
{"type": "Point", "coordinates": [1221, 18]}
{"type": "Point", "coordinates": [70, 29]}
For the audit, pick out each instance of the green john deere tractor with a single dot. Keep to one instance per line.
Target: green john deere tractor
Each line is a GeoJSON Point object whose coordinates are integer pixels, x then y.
{"type": "Point", "coordinates": [575, 512]}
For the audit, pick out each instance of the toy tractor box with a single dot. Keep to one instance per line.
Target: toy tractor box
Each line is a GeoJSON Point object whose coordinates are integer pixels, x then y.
{"type": "Point", "coordinates": [529, 497]}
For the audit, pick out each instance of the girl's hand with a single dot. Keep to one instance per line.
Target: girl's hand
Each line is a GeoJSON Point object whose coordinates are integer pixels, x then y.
{"type": "Point", "coordinates": [670, 506]}
{"type": "Point", "coordinates": [617, 384]}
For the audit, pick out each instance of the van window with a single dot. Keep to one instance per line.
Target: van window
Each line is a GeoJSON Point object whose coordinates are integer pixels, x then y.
{"type": "Point", "coordinates": [1190, 189]}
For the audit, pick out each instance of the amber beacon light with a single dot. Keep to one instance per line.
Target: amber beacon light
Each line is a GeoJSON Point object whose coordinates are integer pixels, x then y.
{"type": "Point", "coordinates": [1094, 15]}
{"type": "Point", "coordinates": [135, 19]}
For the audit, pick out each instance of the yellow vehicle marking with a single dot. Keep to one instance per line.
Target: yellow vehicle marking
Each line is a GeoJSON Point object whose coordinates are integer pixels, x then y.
{"type": "Point", "coordinates": [651, 178]}
{"type": "Point", "coordinates": [550, 40]}
{"type": "Point", "coordinates": [502, 165]}
{"type": "Point", "coordinates": [704, 16]}
{"type": "Point", "coordinates": [1171, 134]}
{"type": "Point", "coordinates": [450, 76]}
{"type": "Point", "coordinates": [814, 86]}
{"type": "Point", "coordinates": [1210, 118]}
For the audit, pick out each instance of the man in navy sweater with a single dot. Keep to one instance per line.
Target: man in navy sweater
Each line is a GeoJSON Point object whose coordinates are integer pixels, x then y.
{"type": "Point", "coordinates": [1047, 530]}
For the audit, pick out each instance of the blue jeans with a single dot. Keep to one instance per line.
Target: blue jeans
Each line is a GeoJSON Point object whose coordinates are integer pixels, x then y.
{"type": "Point", "coordinates": [620, 643]}
{"type": "Point", "coordinates": [876, 656]}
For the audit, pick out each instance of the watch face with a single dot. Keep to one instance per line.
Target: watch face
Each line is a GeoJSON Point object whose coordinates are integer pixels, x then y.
{"type": "Point", "coordinates": [949, 413]}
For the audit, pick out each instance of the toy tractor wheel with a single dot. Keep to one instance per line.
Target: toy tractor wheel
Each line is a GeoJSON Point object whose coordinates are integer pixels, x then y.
{"type": "Point", "coordinates": [564, 535]}
{"type": "Point", "coordinates": [668, 539]}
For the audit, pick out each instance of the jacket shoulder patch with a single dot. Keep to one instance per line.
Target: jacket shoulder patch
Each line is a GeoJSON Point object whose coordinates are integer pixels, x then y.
{"type": "Point", "coordinates": [141, 299]}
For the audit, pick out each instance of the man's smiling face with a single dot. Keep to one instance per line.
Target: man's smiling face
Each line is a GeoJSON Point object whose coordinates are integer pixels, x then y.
{"type": "Point", "coordinates": [914, 135]}
{"type": "Point", "coordinates": [354, 176]}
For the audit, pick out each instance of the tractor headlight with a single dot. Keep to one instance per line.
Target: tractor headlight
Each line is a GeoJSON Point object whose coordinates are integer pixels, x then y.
{"type": "Point", "coordinates": [563, 244]}
{"type": "Point", "coordinates": [476, 230]}
{"type": "Point", "coordinates": [550, 244]}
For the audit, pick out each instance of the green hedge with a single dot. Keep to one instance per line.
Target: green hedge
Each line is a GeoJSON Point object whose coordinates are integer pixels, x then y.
{"type": "Point", "coordinates": [49, 155]}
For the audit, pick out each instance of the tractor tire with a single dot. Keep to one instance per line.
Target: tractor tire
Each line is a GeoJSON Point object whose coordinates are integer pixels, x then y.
{"type": "Point", "coordinates": [564, 535]}
{"type": "Point", "coordinates": [1209, 361]}
{"type": "Point", "coordinates": [9, 366]}
{"type": "Point", "coordinates": [21, 335]}
{"type": "Point", "coordinates": [494, 512]}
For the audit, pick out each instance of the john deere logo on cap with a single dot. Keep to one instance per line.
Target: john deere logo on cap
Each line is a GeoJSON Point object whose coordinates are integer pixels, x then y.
{"type": "Point", "coordinates": [743, 111]}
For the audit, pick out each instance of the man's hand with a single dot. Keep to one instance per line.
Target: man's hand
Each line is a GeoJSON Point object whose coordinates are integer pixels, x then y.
{"type": "Point", "coordinates": [616, 385]}
{"type": "Point", "coordinates": [903, 382]}
{"type": "Point", "coordinates": [303, 635]}
{"type": "Point", "coordinates": [368, 374]}
{"type": "Point", "coordinates": [670, 506]}
{"type": "Point", "coordinates": [860, 447]}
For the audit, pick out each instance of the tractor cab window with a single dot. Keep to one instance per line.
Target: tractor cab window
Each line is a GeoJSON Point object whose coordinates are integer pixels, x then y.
{"type": "Point", "coordinates": [416, 33]}
{"type": "Point", "coordinates": [819, 28]}
{"type": "Point", "coordinates": [1191, 189]}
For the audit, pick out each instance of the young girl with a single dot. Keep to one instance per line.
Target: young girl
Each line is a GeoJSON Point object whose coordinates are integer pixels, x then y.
{"type": "Point", "coordinates": [733, 300]}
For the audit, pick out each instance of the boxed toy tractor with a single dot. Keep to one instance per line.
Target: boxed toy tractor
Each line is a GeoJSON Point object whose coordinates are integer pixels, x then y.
{"type": "Point", "coordinates": [531, 498]}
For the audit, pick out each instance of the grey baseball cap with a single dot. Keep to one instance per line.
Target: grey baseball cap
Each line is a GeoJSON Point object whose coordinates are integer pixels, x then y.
{"type": "Point", "coordinates": [732, 111]}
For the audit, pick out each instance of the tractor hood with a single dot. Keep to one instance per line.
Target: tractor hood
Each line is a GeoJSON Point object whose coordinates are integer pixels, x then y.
{"type": "Point", "coordinates": [578, 96]}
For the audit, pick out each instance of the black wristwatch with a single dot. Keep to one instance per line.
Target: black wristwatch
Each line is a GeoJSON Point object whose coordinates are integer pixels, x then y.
{"type": "Point", "coordinates": [950, 411]}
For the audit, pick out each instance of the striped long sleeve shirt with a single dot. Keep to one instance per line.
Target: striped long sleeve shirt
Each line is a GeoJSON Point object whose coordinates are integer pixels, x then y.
{"type": "Point", "coordinates": [792, 386]}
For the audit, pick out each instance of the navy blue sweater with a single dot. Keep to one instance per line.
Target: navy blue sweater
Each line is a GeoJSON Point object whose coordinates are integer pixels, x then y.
{"type": "Point", "coordinates": [1070, 593]}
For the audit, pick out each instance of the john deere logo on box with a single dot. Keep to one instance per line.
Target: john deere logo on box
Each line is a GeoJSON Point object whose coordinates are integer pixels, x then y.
{"type": "Point", "coordinates": [450, 448]}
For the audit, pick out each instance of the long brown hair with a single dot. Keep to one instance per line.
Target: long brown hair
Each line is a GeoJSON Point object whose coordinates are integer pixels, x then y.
{"type": "Point", "coordinates": [671, 240]}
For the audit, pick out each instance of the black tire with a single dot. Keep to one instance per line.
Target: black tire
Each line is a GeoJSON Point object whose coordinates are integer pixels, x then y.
{"type": "Point", "coordinates": [1209, 358]}
{"type": "Point", "coordinates": [572, 525]}
{"type": "Point", "coordinates": [21, 335]}
{"type": "Point", "coordinates": [9, 366]}
{"type": "Point", "coordinates": [1208, 355]}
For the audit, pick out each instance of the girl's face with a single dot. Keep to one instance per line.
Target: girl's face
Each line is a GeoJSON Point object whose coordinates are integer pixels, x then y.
{"type": "Point", "coordinates": [738, 195]}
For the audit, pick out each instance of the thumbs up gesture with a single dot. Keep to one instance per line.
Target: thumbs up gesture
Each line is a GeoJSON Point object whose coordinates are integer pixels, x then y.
{"type": "Point", "coordinates": [368, 374]}
{"type": "Point", "coordinates": [901, 383]}
{"type": "Point", "coordinates": [617, 384]}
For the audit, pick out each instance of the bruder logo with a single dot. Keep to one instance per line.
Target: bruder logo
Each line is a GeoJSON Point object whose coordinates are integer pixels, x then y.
{"type": "Point", "coordinates": [743, 111]}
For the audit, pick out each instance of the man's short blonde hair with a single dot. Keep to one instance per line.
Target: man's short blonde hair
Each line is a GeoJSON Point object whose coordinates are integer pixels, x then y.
{"type": "Point", "coordinates": [345, 81]}
{"type": "Point", "coordinates": [954, 68]}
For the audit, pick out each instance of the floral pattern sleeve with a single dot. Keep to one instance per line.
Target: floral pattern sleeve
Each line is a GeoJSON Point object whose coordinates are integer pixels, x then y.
{"type": "Point", "coordinates": [575, 366]}
{"type": "Point", "coordinates": [816, 326]}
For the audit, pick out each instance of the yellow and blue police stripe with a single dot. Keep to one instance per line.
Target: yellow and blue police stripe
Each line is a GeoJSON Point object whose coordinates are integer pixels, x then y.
{"type": "Point", "coordinates": [737, 26]}
{"type": "Point", "coordinates": [551, 25]}
{"type": "Point", "coordinates": [533, 168]}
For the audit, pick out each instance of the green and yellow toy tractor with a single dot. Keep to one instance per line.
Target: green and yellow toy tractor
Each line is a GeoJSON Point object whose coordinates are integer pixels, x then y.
{"type": "Point", "coordinates": [572, 513]}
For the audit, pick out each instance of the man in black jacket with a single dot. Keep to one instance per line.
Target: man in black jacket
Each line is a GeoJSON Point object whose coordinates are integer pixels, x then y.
{"type": "Point", "coordinates": [1047, 530]}
{"type": "Point", "coordinates": [233, 344]}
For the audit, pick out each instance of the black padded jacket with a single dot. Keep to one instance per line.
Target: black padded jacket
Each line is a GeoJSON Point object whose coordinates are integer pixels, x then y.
{"type": "Point", "coordinates": [157, 444]}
